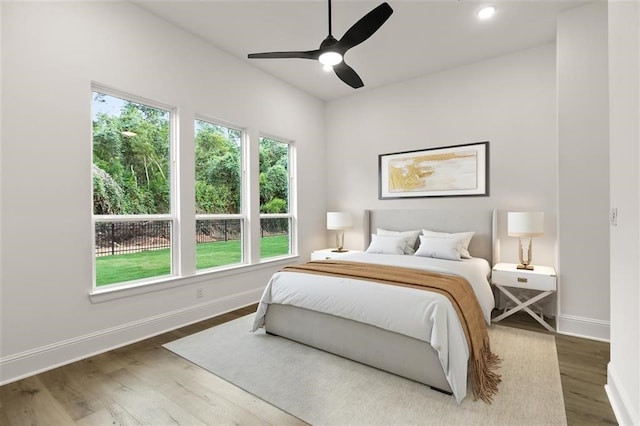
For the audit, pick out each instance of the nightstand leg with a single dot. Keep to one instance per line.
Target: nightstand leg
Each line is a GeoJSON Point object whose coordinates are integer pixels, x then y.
{"type": "Point", "coordinates": [520, 305]}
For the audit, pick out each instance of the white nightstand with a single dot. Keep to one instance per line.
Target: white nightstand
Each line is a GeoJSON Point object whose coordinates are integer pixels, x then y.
{"type": "Point", "coordinates": [541, 278]}
{"type": "Point", "coordinates": [329, 254]}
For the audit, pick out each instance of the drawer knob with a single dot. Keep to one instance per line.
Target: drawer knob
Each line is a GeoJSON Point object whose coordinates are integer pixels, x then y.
{"type": "Point", "coordinates": [522, 280]}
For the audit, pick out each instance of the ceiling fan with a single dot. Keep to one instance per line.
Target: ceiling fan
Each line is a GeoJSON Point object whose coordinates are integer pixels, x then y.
{"type": "Point", "coordinates": [331, 51]}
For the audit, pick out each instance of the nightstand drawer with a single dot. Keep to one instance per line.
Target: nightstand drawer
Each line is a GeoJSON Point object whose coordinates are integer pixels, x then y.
{"type": "Point", "coordinates": [524, 279]}
{"type": "Point", "coordinates": [330, 254]}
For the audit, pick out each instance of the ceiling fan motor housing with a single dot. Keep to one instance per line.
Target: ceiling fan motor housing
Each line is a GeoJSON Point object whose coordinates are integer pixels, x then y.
{"type": "Point", "coordinates": [328, 42]}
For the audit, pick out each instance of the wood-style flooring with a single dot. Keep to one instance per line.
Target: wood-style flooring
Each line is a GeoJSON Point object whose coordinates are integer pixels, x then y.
{"type": "Point", "coordinates": [144, 383]}
{"type": "Point", "coordinates": [583, 372]}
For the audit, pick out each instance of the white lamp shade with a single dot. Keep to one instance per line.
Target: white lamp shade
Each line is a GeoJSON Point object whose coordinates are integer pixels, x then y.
{"type": "Point", "coordinates": [525, 224]}
{"type": "Point", "coordinates": [339, 220]}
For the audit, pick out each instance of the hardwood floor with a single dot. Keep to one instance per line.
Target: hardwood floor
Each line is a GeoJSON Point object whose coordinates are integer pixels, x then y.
{"type": "Point", "coordinates": [144, 383]}
{"type": "Point", "coordinates": [583, 372]}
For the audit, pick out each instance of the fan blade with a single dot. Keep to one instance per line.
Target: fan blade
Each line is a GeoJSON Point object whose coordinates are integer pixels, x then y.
{"type": "Point", "coordinates": [348, 75]}
{"type": "Point", "coordinates": [365, 27]}
{"type": "Point", "coordinates": [310, 54]}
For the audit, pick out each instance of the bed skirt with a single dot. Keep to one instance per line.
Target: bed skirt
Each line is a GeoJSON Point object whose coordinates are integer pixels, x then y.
{"type": "Point", "coordinates": [393, 352]}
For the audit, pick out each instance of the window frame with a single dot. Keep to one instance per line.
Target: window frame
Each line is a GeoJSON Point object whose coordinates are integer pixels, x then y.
{"type": "Point", "coordinates": [172, 217]}
{"type": "Point", "coordinates": [292, 204]}
{"type": "Point", "coordinates": [242, 214]}
{"type": "Point", "coordinates": [182, 210]}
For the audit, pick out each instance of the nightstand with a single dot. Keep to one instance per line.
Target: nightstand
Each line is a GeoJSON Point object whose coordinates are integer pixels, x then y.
{"type": "Point", "coordinates": [542, 279]}
{"type": "Point", "coordinates": [329, 254]}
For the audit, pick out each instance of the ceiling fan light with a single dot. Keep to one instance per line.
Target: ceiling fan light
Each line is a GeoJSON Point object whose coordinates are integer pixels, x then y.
{"type": "Point", "coordinates": [330, 58]}
{"type": "Point", "coordinates": [327, 68]}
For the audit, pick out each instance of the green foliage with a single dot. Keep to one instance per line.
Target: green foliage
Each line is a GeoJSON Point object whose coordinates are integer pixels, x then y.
{"type": "Point", "coordinates": [272, 152]}
{"type": "Point", "coordinates": [131, 150]}
{"type": "Point", "coordinates": [218, 179]}
{"type": "Point", "coordinates": [274, 177]}
{"type": "Point", "coordinates": [275, 205]}
{"type": "Point", "coordinates": [131, 164]}
{"type": "Point", "coordinates": [108, 196]}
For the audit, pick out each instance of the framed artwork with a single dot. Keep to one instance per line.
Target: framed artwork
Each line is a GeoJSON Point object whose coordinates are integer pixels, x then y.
{"type": "Point", "coordinates": [451, 171]}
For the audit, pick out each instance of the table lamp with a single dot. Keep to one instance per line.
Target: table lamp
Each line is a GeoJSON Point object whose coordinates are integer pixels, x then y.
{"type": "Point", "coordinates": [339, 221]}
{"type": "Point", "coordinates": [525, 224]}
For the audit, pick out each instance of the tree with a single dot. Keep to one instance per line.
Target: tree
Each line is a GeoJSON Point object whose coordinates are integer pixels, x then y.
{"type": "Point", "coordinates": [132, 164]}
{"type": "Point", "coordinates": [274, 177]}
{"type": "Point", "coordinates": [108, 196]}
{"type": "Point", "coordinates": [131, 147]}
{"type": "Point", "coordinates": [218, 179]}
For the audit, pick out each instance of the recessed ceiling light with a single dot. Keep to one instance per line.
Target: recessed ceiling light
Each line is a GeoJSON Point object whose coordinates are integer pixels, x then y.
{"type": "Point", "coordinates": [486, 12]}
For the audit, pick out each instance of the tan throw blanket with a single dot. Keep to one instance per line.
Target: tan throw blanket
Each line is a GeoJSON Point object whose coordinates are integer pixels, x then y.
{"type": "Point", "coordinates": [483, 362]}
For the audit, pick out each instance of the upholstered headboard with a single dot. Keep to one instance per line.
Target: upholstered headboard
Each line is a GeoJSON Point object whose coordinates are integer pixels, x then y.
{"type": "Point", "coordinates": [483, 222]}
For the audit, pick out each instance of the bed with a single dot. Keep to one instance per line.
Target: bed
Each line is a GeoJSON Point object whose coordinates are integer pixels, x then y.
{"type": "Point", "coordinates": [409, 332]}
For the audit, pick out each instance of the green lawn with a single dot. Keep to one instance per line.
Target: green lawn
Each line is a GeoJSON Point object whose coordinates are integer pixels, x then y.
{"type": "Point", "coordinates": [155, 263]}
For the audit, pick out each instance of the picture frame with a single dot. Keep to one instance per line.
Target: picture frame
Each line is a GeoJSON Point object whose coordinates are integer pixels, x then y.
{"type": "Point", "coordinates": [449, 171]}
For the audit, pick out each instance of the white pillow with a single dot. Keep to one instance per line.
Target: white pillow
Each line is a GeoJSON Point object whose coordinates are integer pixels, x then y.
{"type": "Point", "coordinates": [386, 244]}
{"type": "Point", "coordinates": [440, 248]}
{"type": "Point", "coordinates": [464, 238]}
{"type": "Point", "coordinates": [411, 238]}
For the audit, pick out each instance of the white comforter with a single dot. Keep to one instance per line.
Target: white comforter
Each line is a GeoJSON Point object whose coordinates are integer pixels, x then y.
{"type": "Point", "coordinates": [420, 314]}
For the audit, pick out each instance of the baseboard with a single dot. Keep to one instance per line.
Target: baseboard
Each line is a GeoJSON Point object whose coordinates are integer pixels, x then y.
{"type": "Point", "coordinates": [38, 360]}
{"type": "Point", "coordinates": [619, 400]}
{"type": "Point", "coordinates": [587, 328]}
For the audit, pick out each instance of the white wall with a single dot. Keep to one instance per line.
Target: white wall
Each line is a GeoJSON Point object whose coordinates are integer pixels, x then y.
{"type": "Point", "coordinates": [51, 52]}
{"type": "Point", "coordinates": [509, 101]}
{"type": "Point", "coordinates": [623, 379]}
{"type": "Point", "coordinates": [583, 185]}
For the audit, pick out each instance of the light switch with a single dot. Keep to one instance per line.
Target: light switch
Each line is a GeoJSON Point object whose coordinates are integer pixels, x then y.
{"type": "Point", "coordinates": [614, 216]}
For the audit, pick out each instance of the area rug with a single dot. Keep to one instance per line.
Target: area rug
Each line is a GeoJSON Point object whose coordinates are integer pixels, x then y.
{"type": "Point", "coordinates": [324, 389]}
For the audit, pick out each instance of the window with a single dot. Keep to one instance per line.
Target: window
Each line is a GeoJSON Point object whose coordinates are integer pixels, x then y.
{"type": "Point", "coordinates": [276, 218]}
{"type": "Point", "coordinates": [143, 218]}
{"type": "Point", "coordinates": [132, 196]}
{"type": "Point", "coordinates": [219, 189]}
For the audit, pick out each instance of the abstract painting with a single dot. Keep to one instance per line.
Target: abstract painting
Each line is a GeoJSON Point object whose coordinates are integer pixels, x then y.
{"type": "Point", "coordinates": [458, 170]}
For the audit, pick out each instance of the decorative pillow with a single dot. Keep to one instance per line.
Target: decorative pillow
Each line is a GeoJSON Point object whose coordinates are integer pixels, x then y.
{"type": "Point", "coordinates": [386, 244]}
{"type": "Point", "coordinates": [438, 247]}
{"type": "Point", "coordinates": [411, 238]}
{"type": "Point", "coordinates": [464, 238]}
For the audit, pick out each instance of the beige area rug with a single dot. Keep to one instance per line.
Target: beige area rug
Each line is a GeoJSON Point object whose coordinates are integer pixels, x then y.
{"type": "Point", "coordinates": [324, 389]}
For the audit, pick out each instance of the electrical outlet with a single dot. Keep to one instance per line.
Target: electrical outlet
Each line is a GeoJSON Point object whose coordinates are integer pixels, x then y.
{"type": "Point", "coordinates": [614, 216]}
{"type": "Point", "coordinates": [199, 293]}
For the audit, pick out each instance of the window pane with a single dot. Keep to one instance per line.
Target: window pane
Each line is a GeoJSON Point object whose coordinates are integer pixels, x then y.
{"type": "Point", "coordinates": [274, 176]}
{"type": "Point", "coordinates": [274, 198]}
{"type": "Point", "coordinates": [219, 242]}
{"type": "Point", "coordinates": [218, 171]}
{"type": "Point", "coordinates": [131, 161]}
{"type": "Point", "coordinates": [131, 176]}
{"type": "Point", "coordinates": [274, 239]}
{"type": "Point", "coordinates": [134, 250]}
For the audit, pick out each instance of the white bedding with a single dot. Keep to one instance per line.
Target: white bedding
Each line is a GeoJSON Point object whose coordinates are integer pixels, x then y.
{"type": "Point", "coordinates": [420, 314]}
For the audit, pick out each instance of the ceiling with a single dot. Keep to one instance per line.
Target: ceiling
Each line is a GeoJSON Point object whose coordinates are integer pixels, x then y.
{"type": "Point", "coordinates": [420, 37]}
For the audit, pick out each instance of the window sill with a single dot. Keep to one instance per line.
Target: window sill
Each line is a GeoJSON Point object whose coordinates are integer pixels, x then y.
{"type": "Point", "coordinates": [99, 295]}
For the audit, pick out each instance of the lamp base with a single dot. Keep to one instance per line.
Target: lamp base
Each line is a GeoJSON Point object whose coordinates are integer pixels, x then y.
{"type": "Point", "coordinates": [525, 263]}
{"type": "Point", "coordinates": [339, 250]}
{"type": "Point", "coordinates": [527, 267]}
